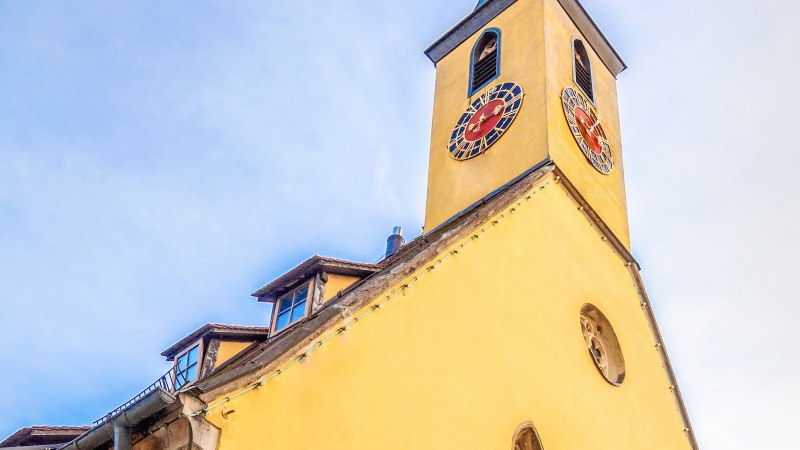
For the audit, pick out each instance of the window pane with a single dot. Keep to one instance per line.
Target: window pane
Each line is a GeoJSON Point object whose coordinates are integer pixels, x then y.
{"type": "Point", "coordinates": [191, 373]}
{"type": "Point", "coordinates": [180, 380]}
{"type": "Point", "coordinates": [193, 354]}
{"type": "Point", "coordinates": [285, 304]}
{"type": "Point", "coordinates": [181, 365]}
{"type": "Point", "coordinates": [283, 320]}
{"type": "Point", "coordinates": [301, 296]}
{"type": "Point", "coordinates": [299, 310]}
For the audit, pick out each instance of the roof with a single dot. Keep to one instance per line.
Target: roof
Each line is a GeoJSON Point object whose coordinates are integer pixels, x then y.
{"type": "Point", "coordinates": [392, 271]}
{"type": "Point", "coordinates": [486, 10]}
{"type": "Point", "coordinates": [312, 265]}
{"type": "Point", "coordinates": [232, 332]}
{"type": "Point", "coordinates": [42, 435]}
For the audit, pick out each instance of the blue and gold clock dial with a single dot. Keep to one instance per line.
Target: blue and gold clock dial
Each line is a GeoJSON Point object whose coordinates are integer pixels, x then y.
{"type": "Point", "coordinates": [486, 119]}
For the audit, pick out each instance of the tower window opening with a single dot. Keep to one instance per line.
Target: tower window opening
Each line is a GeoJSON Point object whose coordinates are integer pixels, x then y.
{"type": "Point", "coordinates": [485, 60]}
{"type": "Point", "coordinates": [583, 68]}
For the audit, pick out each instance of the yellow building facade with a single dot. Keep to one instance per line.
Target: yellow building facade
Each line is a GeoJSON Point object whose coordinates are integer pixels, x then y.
{"type": "Point", "coordinates": [488, 340]}
{"type": "Point", "coordinates": [518, 320]}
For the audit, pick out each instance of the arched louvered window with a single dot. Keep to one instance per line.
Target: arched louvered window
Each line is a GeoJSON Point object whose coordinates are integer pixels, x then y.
{"type": "Point", "coordinates": [526, 438]}
{"type": "Point", "coordinates": [583, 68]}
{"type": "Point", "coordinates": [485, 60]}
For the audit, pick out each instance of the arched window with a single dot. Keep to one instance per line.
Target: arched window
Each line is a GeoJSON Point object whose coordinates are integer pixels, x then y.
{"type": "Point", "coordinates": [526, 438]}
{"type": "Point", "coordinates": [582, 68]}
{"type": "Point", "coordinates": [485, 60]}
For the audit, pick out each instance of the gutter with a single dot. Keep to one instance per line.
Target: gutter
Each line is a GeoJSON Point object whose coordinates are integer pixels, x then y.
{"type": "Point", "coordinates": [32, 447]}
{"type": "Point", "coordinates": [119, 427]}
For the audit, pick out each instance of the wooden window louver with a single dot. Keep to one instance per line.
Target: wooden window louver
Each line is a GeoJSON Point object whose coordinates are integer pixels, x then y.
{"type": "Point", "coordinates": [485, 59]}
{"type": "Point", "coordinates": [583, 68]}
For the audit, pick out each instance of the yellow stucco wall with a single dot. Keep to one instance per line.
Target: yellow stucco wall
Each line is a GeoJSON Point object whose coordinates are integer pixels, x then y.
{"type": "Point", "coordinates": [336, 283]}
{"type": "Point", "coordinates": [488, 340]}
{"type": "Point", "coordinates": [455, 185]}
{"type": "Point", "coordinates": [229, 349]}
{"type": "Point", "coordinates": [606, 193]}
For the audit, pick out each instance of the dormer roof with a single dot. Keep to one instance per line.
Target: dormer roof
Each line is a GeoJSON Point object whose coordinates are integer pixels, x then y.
{"type": "Point", "coordinates": [272, 290]}
{"type": "Point", "coordinates": [218, 330]}
{"type": "Point", "coordinates": [42, 436]}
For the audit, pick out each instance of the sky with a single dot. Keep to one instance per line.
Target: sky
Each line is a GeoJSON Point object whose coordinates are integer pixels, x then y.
{"type": "Point", "coordinates": [159, 161]}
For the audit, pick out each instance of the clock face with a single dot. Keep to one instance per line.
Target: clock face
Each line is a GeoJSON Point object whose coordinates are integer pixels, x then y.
{"type": "Point", "coordinates": [486, 119]}
{"type": "Point", "coordinates": [587, 130]}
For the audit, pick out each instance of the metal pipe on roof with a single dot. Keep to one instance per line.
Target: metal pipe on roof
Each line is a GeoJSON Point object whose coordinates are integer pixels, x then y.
{"type": "Point", "coordinates": [115, 427]}
{"type": "Point", "coordinates": [394, 241]}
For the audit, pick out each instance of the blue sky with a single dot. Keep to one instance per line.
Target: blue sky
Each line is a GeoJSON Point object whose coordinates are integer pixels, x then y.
{"type": "Point", "coordinates": [159, 161]}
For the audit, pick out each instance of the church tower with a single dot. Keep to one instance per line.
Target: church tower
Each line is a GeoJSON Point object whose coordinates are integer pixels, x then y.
{"type": "Point", "coordinates": [521, 83]}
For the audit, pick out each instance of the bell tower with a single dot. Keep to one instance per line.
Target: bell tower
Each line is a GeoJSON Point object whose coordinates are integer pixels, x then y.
{"type": "Point", "coordinates": [521, 84]}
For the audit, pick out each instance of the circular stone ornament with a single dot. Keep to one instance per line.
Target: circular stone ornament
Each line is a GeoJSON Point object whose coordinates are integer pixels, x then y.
{"type": "Point", "coordinates": [602, 343]}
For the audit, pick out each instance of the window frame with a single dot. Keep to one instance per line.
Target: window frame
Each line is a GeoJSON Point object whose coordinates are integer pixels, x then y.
{"type": "Point", "coordinates": [275, 310]}
{"type": "Point", "coordinates": [471, 90]}
{"type": "Point", "coordinates": [198, 364]}
{"type": "Point", "coordinates": [591, 97]}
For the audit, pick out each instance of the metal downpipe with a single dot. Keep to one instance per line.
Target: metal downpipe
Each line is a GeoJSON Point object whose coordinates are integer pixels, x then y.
{"type": "Point", "coordinates": [119, 428]}
{"type": "Point", "coordinates": [122, 437]}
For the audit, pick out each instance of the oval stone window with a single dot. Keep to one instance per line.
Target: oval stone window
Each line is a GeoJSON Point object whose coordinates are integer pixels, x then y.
{"type": "Point", "coordinates": [602, 344]}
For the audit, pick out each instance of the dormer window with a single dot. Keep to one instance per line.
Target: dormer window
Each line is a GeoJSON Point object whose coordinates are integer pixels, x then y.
{"type": "Point", "coordinates": [582, 68]}
{"type": "Point", "coordinates": [303, 290]}
{"type": "Point", "coordinates": [485, 60]}
{"type": "Point", "coordinates": [205, 350]}
{"type": "Point", "coordinates": [291, 308]}
{"type": "Point", "coordinates": [186, 366]}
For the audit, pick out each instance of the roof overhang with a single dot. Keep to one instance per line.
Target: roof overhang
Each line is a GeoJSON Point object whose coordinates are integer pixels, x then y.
{"type": "Point", "coordinates": [315, 264]}
{"type": "Point", "coordinates": [468, 26]}
{"type": "Point", "coordinates": [226, 332]}
{"type": "Point", "coordinates": [482, 15]}
{"type": "Point", "coordinates": [41, 436]}
{"type": "Point", "coordinates": [594, 36]}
